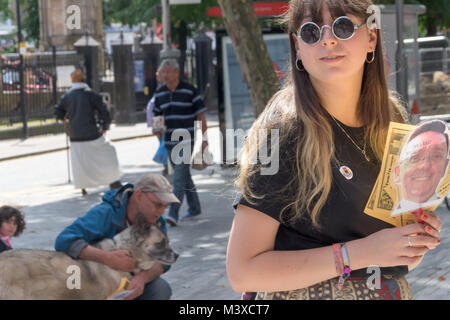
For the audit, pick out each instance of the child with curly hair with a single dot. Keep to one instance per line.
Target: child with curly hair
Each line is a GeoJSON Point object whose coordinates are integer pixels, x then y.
{"type": "Point", "coordinates": [12, 224]}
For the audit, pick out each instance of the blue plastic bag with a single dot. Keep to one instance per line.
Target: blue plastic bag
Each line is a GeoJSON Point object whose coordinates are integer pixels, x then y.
{"type": "Point", "coordinates": [161, 155]}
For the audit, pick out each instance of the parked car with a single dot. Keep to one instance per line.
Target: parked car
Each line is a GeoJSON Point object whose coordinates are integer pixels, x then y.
{"type": "Point", "coordinates": [39, 80]}
{"type": "Point", "coordinates": [10, 79]}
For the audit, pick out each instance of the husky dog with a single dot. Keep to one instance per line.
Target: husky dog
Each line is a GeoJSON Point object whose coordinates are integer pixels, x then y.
{"type": "Point", "coordinates": [46, 275]}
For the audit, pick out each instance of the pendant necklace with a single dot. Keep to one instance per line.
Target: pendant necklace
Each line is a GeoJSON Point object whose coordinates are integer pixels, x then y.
{"type": "Point", "coordinates": [363, 151]}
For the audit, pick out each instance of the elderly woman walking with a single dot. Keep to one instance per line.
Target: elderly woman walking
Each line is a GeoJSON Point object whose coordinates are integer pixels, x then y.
{"type": "Point", "coordinates": [94, 158]}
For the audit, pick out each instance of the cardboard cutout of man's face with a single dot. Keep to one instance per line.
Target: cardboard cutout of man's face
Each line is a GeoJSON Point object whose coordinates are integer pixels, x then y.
{"type": "Point", "coordinates": [422, 166]}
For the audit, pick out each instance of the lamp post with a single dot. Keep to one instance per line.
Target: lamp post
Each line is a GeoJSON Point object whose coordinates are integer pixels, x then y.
{"type": "Point", "coordinates": [402, 77]}
{"type": "Point", "coordinates": [23, 106]}
{"type": "Point", "coordinates": [166, 23]}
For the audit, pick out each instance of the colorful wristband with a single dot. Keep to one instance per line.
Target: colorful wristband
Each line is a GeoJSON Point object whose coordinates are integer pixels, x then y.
{"type": "Point", "coordinates": [338, 259]}
{"type": "Point", "coordinates": [345, 266]}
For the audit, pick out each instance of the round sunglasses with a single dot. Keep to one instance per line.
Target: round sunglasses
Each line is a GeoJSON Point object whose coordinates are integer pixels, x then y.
{"type": "Point", "coordinates": [343, 28]}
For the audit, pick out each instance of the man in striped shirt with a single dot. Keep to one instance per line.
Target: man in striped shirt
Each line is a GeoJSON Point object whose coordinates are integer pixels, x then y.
{"type": "Point", "coordinates": [181, 105]}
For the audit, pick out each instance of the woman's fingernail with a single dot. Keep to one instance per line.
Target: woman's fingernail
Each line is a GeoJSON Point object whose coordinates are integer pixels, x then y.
{"type": "Point", "coordinates": [428, 229]}
{"type": "Point", "coordinates": [439, 241]}
{"type": "Point", "coordinates": [424, 217]}
{"type": "Point", "coordinates": [414, 213]}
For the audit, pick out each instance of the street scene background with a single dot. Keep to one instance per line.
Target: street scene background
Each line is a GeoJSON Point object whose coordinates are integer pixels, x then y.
{"type": "Point", "coordinates": [119, 45]}
{"type": "Point", "coordinates": [40, 186]}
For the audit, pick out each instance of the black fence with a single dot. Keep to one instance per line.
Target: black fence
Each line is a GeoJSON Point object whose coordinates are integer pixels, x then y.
{"type": "Point", "coordinates": [46, 79]}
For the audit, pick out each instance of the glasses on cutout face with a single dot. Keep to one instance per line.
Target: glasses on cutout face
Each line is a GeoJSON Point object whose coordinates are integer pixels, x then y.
{"type": "Point", "coordinates": [420, 158]}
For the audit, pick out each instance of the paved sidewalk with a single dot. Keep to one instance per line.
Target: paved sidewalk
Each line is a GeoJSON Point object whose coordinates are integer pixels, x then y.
{"type": "Point", "coordinates": [16, 148]}
{"type": "Point", "coordinates": [200, 271]}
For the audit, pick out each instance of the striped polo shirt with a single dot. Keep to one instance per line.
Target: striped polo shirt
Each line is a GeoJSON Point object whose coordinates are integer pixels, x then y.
{"type": "Point", "coordinates": [180, 109]}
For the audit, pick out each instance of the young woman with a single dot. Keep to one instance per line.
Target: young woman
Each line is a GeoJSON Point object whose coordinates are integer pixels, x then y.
{"type": "Point", "coordinates": [302, 233]}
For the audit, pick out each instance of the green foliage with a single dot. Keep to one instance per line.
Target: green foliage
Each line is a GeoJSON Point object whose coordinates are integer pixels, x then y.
{"type": "Point", "coordinates": [436, 17]}
{"type": "Point", "coordinates": [29, 16]}
{"type": "Point", "coordinates": [195, 14]}
{"type": "Point", "coordinates": [129, 12]}
{"type": "Point", "coordinates": [5, 10]}
{"type": "Point", "coordinates": [30, 19]}
{"type": "Point", "coordinates": [137, 11]}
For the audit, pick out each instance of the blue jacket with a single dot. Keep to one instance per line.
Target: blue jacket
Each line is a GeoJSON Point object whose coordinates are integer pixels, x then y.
{"type": "Point", "coordinates": [103, 221]}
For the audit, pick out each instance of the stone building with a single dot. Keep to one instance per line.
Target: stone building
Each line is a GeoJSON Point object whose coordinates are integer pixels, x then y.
{"type": "Point", "coordinates": [60, 25]}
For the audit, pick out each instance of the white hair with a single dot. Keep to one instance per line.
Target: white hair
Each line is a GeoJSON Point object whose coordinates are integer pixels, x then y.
{"type": "Point", "coordinates": [170, 63]}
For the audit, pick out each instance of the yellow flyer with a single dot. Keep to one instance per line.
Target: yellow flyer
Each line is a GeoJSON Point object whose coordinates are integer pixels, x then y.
{"type": "Point", "coordinates": [414, 172]}
{"type": "Point", "coordinates": [122, 291]}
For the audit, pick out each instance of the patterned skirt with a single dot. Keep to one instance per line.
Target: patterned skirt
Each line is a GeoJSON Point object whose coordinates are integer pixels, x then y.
{"type": "Point", "coordinates": [355, 288]}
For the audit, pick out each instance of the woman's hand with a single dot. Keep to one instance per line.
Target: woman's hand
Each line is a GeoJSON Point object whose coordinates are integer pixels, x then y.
{"type": "Point", "coordinates": [432, 223]}
{"type": "Point", "coordinates": [402, 246]}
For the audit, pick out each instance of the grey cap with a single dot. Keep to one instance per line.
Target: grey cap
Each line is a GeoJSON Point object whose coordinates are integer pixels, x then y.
{"type": "Point", "coordinates": [159, 186]}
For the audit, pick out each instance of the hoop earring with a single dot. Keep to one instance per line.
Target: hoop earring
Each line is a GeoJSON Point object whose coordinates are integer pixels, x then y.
{"type": "Point", "coordinates": [302, 68]}
{"type": "Point", "coordinates": [373, 57]}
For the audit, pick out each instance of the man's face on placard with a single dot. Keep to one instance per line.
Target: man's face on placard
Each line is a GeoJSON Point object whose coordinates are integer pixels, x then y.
{"type": "Point", "coordinates": [423, 164]}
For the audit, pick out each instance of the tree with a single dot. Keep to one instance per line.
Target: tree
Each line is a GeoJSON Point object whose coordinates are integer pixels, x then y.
{"type": "Point", "coordinates": [30, 20]}
{"type": "Point", "coordinates": [5, 10]}
{"type": "Point", "coordinates": [29, 16]}
{"type": "Point", "coordinates": [251, 51]}
{"type": "Point", "coordinates": [137, 11]}
{"type": "Point", "coordinates": [437, 15]}
{"type": "Point", "coordinates": [129, 12]}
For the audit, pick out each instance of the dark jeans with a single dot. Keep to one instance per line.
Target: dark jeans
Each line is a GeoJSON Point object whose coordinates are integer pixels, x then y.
{"type": "Point", "coordinates": [183, 185]}
{"type": "Point", "coordinates": [158, 289]}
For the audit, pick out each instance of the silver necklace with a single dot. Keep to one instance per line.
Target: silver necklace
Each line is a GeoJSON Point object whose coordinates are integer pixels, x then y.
{"type": "Point", "coordinates": [363, 151]}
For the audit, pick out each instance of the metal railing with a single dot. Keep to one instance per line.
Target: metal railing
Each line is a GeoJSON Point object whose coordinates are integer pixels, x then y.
{"type": "Point", "coordinates": [434, 59]}
{"type": "Point", "coordinates": [46, 79]}
{"type": "Point", "coordinates": [434, 84]}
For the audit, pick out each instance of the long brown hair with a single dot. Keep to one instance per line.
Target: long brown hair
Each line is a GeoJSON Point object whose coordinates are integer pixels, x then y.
{"type": "Point", "coordinates": [297, 111]}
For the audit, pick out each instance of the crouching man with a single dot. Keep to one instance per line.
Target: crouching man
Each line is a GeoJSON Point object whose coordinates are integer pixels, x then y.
{"type": "Point", "coordinates": [150, 197]}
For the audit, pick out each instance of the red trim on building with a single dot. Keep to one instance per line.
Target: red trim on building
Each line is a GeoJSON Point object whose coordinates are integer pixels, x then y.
{"type": "Point", "coordinates": [262, 9]}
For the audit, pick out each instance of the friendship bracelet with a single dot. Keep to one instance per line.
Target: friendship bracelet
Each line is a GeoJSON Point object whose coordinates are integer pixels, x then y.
{"type": "Point", "coordinates": [342, 262]}
{"type": "Point", "coordinates": [338, 259]}
{"type": "Point", "coordinates": [346, 266]}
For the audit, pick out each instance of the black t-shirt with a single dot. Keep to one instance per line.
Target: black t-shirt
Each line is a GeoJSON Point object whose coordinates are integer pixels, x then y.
{"type": "Point", "coordinates": [342, 219]}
